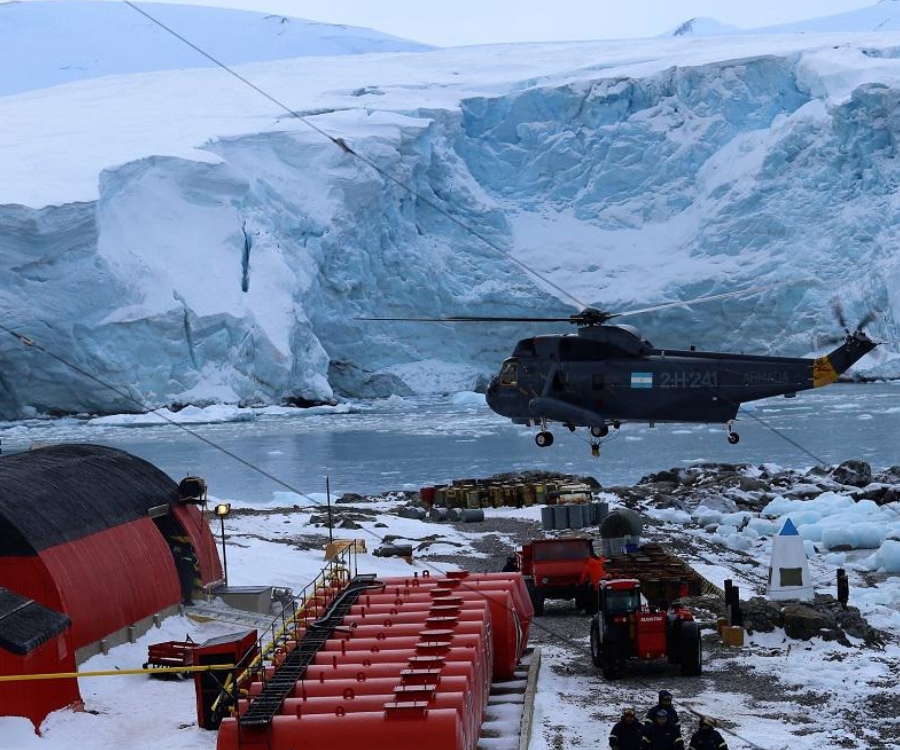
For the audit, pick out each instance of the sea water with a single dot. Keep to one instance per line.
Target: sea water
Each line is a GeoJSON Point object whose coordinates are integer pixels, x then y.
{"type": "Point", "coordinates": [408, 443]}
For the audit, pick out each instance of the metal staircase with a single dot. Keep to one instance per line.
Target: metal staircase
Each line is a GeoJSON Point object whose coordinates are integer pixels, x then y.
{"type": "Point", "coordinates": [267, 704]}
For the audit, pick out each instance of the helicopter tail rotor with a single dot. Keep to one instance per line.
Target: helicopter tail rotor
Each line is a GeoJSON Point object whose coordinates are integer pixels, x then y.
{"type": "Point", "coordinates": [866, 320]}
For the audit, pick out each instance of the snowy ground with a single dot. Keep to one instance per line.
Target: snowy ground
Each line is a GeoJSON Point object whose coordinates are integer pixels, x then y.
{"type": "Point", "coordinates": [774, 693]}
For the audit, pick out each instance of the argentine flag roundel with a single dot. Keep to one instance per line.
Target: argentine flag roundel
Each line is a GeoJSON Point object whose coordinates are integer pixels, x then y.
{"type": "Point", "coordinates": [642, 380]}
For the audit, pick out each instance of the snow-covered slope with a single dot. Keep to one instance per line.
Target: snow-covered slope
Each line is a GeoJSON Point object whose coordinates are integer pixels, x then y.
{"type": "Point", "coordinates": [703, 27]}
{"type": "Point", "coordinates": [48, 43]}
{"type": "Point", "coordinates": [883, 16]}
{"type": "Point", "coordinates": [183, 238]}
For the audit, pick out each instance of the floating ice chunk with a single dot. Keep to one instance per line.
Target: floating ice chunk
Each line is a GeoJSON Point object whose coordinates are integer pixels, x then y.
{"type": "Point", "coordinates": [705, 516]}
{"type": "Point", "coordinates": [810, 531]}
{"type": "Point", "coordinates": [467, 398]}
{"type": "Point", "coordinates": [856, 536]}
{"type": "Point", "coordinates": [763, 527]}
{"type": "Point", "coordinates": [888, 557]}
{"type": "Point", "coordinates": [837, 559]}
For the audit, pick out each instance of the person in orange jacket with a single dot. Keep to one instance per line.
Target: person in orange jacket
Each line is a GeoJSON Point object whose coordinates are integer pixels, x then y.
{"type": "Point", "coordinates": [593, 571]}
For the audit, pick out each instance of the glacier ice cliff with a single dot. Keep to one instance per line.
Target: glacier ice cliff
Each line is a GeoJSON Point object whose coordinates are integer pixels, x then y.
{"type": "Point", "coordinates": [241, 274]}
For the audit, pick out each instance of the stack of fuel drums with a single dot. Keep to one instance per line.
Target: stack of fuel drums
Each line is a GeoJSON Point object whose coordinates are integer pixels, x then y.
{"type": "Point", "coordinates": [412, 659]}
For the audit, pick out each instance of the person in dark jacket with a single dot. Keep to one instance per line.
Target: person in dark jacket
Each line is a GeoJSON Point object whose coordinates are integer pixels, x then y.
{"type": "Point", "coordinates": [662, 734]}
{"type": "Point", "coordinates": [707, 737]}
{"type": "Point", "coordinates": [185, 564]}
{"type": "Point", "coordinates": [628, 733]}
{"type": "Point", "coordinates": [665, 704]}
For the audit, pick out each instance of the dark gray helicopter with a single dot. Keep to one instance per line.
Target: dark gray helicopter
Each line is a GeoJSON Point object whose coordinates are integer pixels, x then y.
{"type": "Point", "coordinates": [606, 374]}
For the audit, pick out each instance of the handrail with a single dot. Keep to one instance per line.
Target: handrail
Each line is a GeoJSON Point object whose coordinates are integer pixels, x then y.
{"type": "Point", "coordinates": [304, 611]}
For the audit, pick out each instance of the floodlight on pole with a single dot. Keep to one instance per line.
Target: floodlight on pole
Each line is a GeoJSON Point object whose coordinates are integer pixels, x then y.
{"type": "Point", "coordinates": [222, 510]}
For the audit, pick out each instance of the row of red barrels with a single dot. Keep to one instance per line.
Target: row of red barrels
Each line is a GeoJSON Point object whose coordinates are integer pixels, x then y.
{"type": "Point", "coordinates": [413, 658]}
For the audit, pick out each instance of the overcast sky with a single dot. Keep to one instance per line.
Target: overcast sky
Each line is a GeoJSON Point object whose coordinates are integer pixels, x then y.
{"type": "Point", "coordinates": [458, 22]}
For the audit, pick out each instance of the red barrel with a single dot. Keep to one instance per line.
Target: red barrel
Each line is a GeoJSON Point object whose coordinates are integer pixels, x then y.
{"type": "Point", "coordinates": [378, 685]}
{"type": "Point", "coordinates": [380, 631]}
{"type": "Point", "coordinates": [378, 656]}
{"type": "Point", "coordinates": [329, 704]}
{"type": "Point", "coordinates": [396, 728]}
{"type": "Point", "coordinates": [432, 617]}
{"type": "Point", "coordinates": [393, 686]}
{"type": "Point", "coordinates": [410, 641]}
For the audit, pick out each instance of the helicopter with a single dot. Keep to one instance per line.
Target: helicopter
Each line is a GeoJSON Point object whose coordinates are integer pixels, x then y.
{"type": "Point", "coordinates": [606, 374]}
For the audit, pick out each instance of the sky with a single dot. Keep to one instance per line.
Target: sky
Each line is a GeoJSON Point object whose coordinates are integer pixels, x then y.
{"type": "Point", "coordinates": [464, 22]}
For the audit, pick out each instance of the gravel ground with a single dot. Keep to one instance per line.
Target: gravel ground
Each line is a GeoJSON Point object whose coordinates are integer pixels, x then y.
{"type": "Point", "coordinates": [737, 678]}
{"type": "Point", "coordinates": [564, 632]}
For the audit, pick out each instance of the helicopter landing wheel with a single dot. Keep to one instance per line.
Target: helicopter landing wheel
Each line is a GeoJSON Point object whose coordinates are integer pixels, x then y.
{"type": "Point", "coordinates": [544, 439]}
{"type": "Point", "coordinates": [616, 424]}
{"type": "Point", "coordinates": [599, 431]}
{"type": "Point", "coordinates": [734, 438]}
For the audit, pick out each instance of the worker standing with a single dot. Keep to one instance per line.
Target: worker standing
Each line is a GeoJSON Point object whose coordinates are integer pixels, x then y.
{"type": "Point", "coordinates": [665, 704]}
{"type": "Point", "coordinates": [707, 736]}
{"type": "Point", "coordinates": [628, 733]}
{"type": "Point", "coordinates": [594, 571]}
{"type": "Point", "coordinates": [661, 734]}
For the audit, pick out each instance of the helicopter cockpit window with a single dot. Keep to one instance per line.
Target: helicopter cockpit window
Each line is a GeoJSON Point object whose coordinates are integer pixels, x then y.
{"type": "Point", "coordinates": [509, 373]}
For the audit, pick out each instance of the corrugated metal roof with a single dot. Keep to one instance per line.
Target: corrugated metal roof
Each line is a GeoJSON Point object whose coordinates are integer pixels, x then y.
{"type": "Point", "coordinates": [62, 493]}
{"type": "Point", "coordinates": [25, 624]}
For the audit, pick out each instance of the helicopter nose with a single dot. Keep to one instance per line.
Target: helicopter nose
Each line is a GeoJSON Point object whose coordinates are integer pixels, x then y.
{"type": "Point", "coordinates": [494, 399]}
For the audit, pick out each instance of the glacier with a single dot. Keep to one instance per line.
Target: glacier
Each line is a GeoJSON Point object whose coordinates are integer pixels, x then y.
{"type": "Point", "coordinates": [181, 240]}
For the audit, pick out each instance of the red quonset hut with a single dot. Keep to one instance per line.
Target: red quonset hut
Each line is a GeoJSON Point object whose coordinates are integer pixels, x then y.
{"type": "Point", "coordinates": [86, 532]}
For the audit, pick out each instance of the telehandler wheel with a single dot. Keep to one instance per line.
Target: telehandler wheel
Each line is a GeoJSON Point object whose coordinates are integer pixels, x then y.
{"type": "Point", "coordinates": [609, 658]}
{"type": "Point", "coordinates": [691, 650]}
{"type": "Point", "coordinates": [596, 647]}
{"type": "Point", "coordinates": [610, 662]}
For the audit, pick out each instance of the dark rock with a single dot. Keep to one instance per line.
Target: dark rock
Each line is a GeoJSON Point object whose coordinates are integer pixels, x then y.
{"type": "Point", "coordinates": [803, 622]}
{"type": "Point", "coordinates": [751, 484]}
{"type": "Point", "coordinates": [661, 476]}
{"type": "Point", "coordinates": [854, 473]}
{"type": "Point", "coordinates": [761, 615]}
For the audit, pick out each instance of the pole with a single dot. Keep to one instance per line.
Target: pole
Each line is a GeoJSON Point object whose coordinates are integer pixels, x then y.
{"type": "Point", "coordinates": [224, 558]}
{"type": "Point", "coordinates": [328, 500]}
{"type": "Point", "coordinates": [843, 587]}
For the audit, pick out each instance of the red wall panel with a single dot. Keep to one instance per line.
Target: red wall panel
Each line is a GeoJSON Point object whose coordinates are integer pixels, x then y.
{"type": "Point", "coordinates": [28, 577]}
{"type": "Point", "coordinates": [112, 579]}
{"type": "Point", "coordinates": [35, 699]}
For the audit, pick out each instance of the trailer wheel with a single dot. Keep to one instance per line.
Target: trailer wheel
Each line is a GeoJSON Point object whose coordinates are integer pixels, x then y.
{"type": "Point", "coordinates": [596, 646]}
{"type": "Point", "coordinates": [691, 650]}
{"type": "Point", "coordinates": [537, 598]}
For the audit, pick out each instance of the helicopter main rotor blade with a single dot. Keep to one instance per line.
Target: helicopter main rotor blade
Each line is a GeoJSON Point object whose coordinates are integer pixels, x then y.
{"type": "Point", "coordinates": [838, 309]}
{"type": "Point", "coordinates": [697, 300]}
{"type": "Point", "coordinates": [868, 318]}
{"type": "Point", "coordinates": [475, 319]}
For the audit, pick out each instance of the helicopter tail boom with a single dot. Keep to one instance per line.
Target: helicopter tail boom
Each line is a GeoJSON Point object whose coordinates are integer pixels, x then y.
{"type": "Point", "coordinates": [827, 369]}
